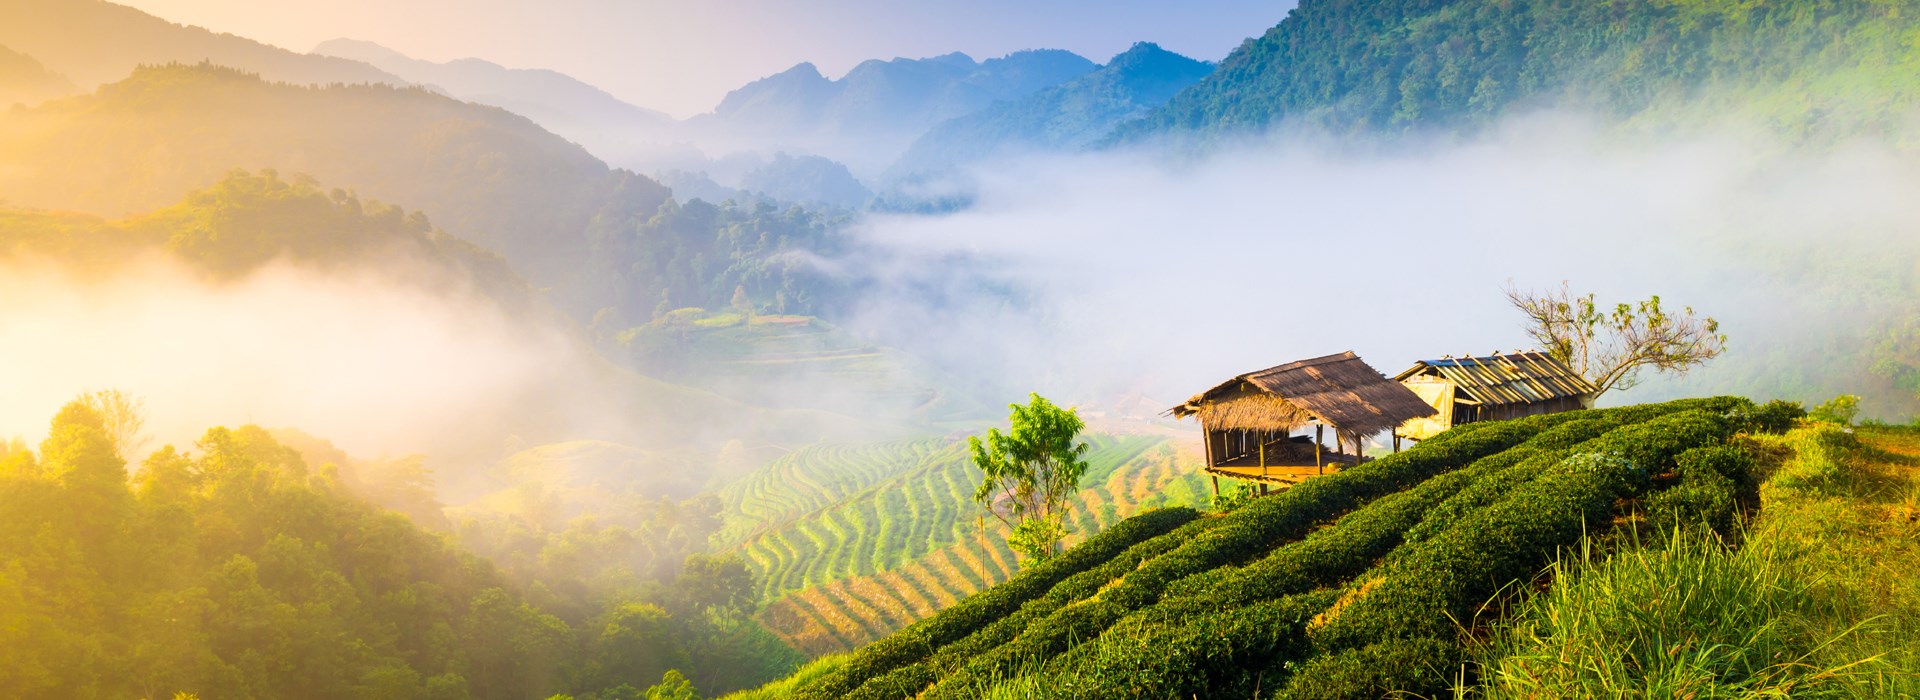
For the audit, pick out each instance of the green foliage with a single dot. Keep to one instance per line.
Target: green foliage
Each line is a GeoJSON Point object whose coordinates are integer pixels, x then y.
{"type": "Point", "coordinates": [1030, 474]}
{"type": "Point", "coordinates": [239, 573]}
{"type": "Point", "coordinates": [1233, 497]}
{"type": "Point", "coordinates": [1683, 617]}
{"type": "Point", "coordinates": [1405, 66]}
{"type": "Point", "coordinates": [1775, 417]}
{"type": "Point", "coordinates": [1393, 668]}
{"type": "Point", "coordinates": [1840, 409]}
{"type": "Point", "coordinates": [920, 639]}
{"type": "Point", "coordinates": [673, 686]}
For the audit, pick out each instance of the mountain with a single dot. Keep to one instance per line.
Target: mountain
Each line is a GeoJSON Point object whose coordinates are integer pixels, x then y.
{"type": "Point", "coordinates": [92, 42]}
{"type": "Point", "coordinates": [809, 180]}
{"type": "Point", "coordinates": [1400, 65]}
{"type": "Point", "coordinates": [24, 81]}
{"type": "Point", "coordinates": [866, 118]}
{"type": "Point", "coordinates": [1064, 117]}
{"type": "Point", "coordinates": [614, 130]}
{"type": "Point", "coordinates": [591, 236]}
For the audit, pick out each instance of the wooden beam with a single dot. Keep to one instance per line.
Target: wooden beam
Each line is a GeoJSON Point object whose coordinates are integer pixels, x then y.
{"type": "Point", "coordinates": [1206, 438]}
{"type": "Point", "coordinates": [1319, 439]}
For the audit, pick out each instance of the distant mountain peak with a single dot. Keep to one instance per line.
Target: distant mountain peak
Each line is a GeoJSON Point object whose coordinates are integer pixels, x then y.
{"type": "Point", "coordinates": [803, 69]}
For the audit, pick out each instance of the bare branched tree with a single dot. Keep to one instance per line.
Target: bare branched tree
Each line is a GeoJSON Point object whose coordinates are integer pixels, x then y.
{"type": "Point", "coordinates": [1610, 348]}
{"type": "Point", "coordinates": [125, 416]}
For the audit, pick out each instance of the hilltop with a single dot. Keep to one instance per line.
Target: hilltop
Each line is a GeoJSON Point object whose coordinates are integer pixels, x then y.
{"type": "Point", "coordinates": [92, 42]}
{"type": "Point", "coordinates": [1354, 584]}
{"type": "Point", "coordinates": [612, 129]}
{"type": "Point", "coordinates": [867, 117]}
{"type": "Point", "coordinates": [1062, 118]}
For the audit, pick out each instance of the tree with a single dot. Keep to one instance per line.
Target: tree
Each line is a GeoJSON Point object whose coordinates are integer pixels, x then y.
{"type": "Point", "coordinates": [123, 416]}
{"type": "Point", "coordinates": [741, 302]}
{"type": "Point", "coordinates": [673, 686]}
{"type": "Point", "coordinates": [1610, 348]}
{"type": "Point", "coordinates": [1031, 473]}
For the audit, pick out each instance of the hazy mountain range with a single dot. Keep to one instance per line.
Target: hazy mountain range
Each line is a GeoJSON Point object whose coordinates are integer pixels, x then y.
{"type": "Point", "coordinates": [119, 38]}
{"type": "Point", "coordinates": [612, 129]}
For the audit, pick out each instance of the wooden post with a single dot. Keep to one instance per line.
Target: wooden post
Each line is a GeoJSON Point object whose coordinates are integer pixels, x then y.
{"type": "Point", "coordinates": [1319, 439]}
{"type": "Point", "coordinates": [1396, 441]}
{"type": "Point", "coordinates": [1216, 485]}
{"type": "Point", "coordinates": [1262, 437]}
{"type": "Point", "coordinates": [1206, 439]}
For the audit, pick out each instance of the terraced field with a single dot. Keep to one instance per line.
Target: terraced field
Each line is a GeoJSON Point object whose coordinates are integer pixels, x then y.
{"type": "Point", "coordinates": [851, 542]}
{"type": "Point", "coordinates": [1355, 584]}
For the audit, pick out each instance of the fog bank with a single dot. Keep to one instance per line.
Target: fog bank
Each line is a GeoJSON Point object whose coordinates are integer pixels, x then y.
{"type": "Point", "coordinates": [1138, 272]}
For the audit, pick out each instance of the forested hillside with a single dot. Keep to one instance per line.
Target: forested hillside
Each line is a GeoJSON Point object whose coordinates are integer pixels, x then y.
{"type": "Point", "coordinates": [594, 237]}
{"type": "Point", "coordinates": [1806, 68]}
{"type": "Point", "coordinates": [94, 41]}
{"type": "Point", "coordinates": [236, 569]}
{"type": "Point", "coordinates": [1062, 118]}
{"type": "Point", "coordinates": [867, 117]}
{"type": "Point", "coordinates": [614, 130]}
{"type": "Point", "coordinates": [24, 81]}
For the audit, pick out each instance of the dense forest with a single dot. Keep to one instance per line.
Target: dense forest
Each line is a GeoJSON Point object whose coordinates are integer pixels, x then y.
{"type": "Point", "coordinates": [1401, 65]}
{"type": "Point", "coordinates": [236, 569]}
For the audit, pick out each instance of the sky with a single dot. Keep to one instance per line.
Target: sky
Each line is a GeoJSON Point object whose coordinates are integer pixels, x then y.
{"type": "Point", "coordinates": [682, 56]}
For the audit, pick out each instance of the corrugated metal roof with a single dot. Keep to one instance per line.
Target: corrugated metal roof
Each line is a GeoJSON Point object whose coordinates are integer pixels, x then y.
{"type": "Point", "coordinates": [1522, 377]}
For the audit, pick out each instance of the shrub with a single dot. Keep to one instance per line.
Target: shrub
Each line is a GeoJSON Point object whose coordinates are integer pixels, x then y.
{"type": "Point", "coordinates": [1444, 579]}
{"type": "Point", "coordinates": [1840, 409]}
{"type": "Point", "coordinates": [1206, 655]}
{"type": "Point", "coordinates": [1714, 482]}
{"type": "Point", "coordinates": [1771, 417]}
{"type": "Point", "coordinates": [908, 680]}
{"type": "Point", "coordinates": [1422, 667]}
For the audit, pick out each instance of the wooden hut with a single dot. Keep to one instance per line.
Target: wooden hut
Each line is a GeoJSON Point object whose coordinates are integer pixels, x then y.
{"type": "Point", "coordinates": [1249, 421]}
{"type": "Point", "coordinates": [1495, 387]}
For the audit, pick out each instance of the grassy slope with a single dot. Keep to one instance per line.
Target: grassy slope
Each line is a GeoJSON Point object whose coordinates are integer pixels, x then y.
{"type": "Point", "coordinates": [1205, 610]}
{"type": "Point", "coordinates": [854, 541]}
{"type": "Point", "coordinates": [1818, 600]}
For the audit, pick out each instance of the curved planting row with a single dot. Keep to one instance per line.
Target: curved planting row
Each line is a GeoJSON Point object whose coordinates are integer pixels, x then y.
{"type": "Point", "coordinates": [919, 640]}
{"type": "Point", "coordinates": [916, 511]}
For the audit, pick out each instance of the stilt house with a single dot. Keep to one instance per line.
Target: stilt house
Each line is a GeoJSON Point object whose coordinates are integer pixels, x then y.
{"type": "Point", "coordinates": [1495, 387]}
{"type": "Point", "coordinates": [1249, 421]}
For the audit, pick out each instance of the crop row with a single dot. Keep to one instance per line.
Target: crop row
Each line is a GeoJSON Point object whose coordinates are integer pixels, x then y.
{"type": "Point", "coordinates": [920, 526]}
{"type": "Point", "coordinates": [919, 640]}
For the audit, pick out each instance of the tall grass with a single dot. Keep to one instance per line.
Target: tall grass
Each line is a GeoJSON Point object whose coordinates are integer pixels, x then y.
{"type": "Point", "coordinates": [1819, 601]}
{"type": "Point", "coordinates": [1688, 618]}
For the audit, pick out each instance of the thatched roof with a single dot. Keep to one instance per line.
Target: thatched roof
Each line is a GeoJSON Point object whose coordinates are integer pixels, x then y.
{"type": "Point", "coordinates": [1499, 380]}
{"type": "Point", "coordinates": [1339, 390]}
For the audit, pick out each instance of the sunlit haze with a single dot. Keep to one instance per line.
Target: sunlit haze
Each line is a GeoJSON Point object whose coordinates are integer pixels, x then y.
{"type": "Point", "coordinates": [681, 56]}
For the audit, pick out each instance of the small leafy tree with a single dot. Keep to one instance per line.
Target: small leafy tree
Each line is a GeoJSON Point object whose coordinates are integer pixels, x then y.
{"type": "Point", "coordinates": [1031, 474]}
{"type": "Point", "coordinates": [673, 686]}
{"type": "Point", "coordinates": [1840, 409]}
{"type": "Point", "coordinates": [124, 416]}
{"type": "Point", "coordinates": [1610, 348]}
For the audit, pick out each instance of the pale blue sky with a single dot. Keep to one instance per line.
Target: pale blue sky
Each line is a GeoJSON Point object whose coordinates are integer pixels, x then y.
{"type": "Point", "coordinates": [681, 56]}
